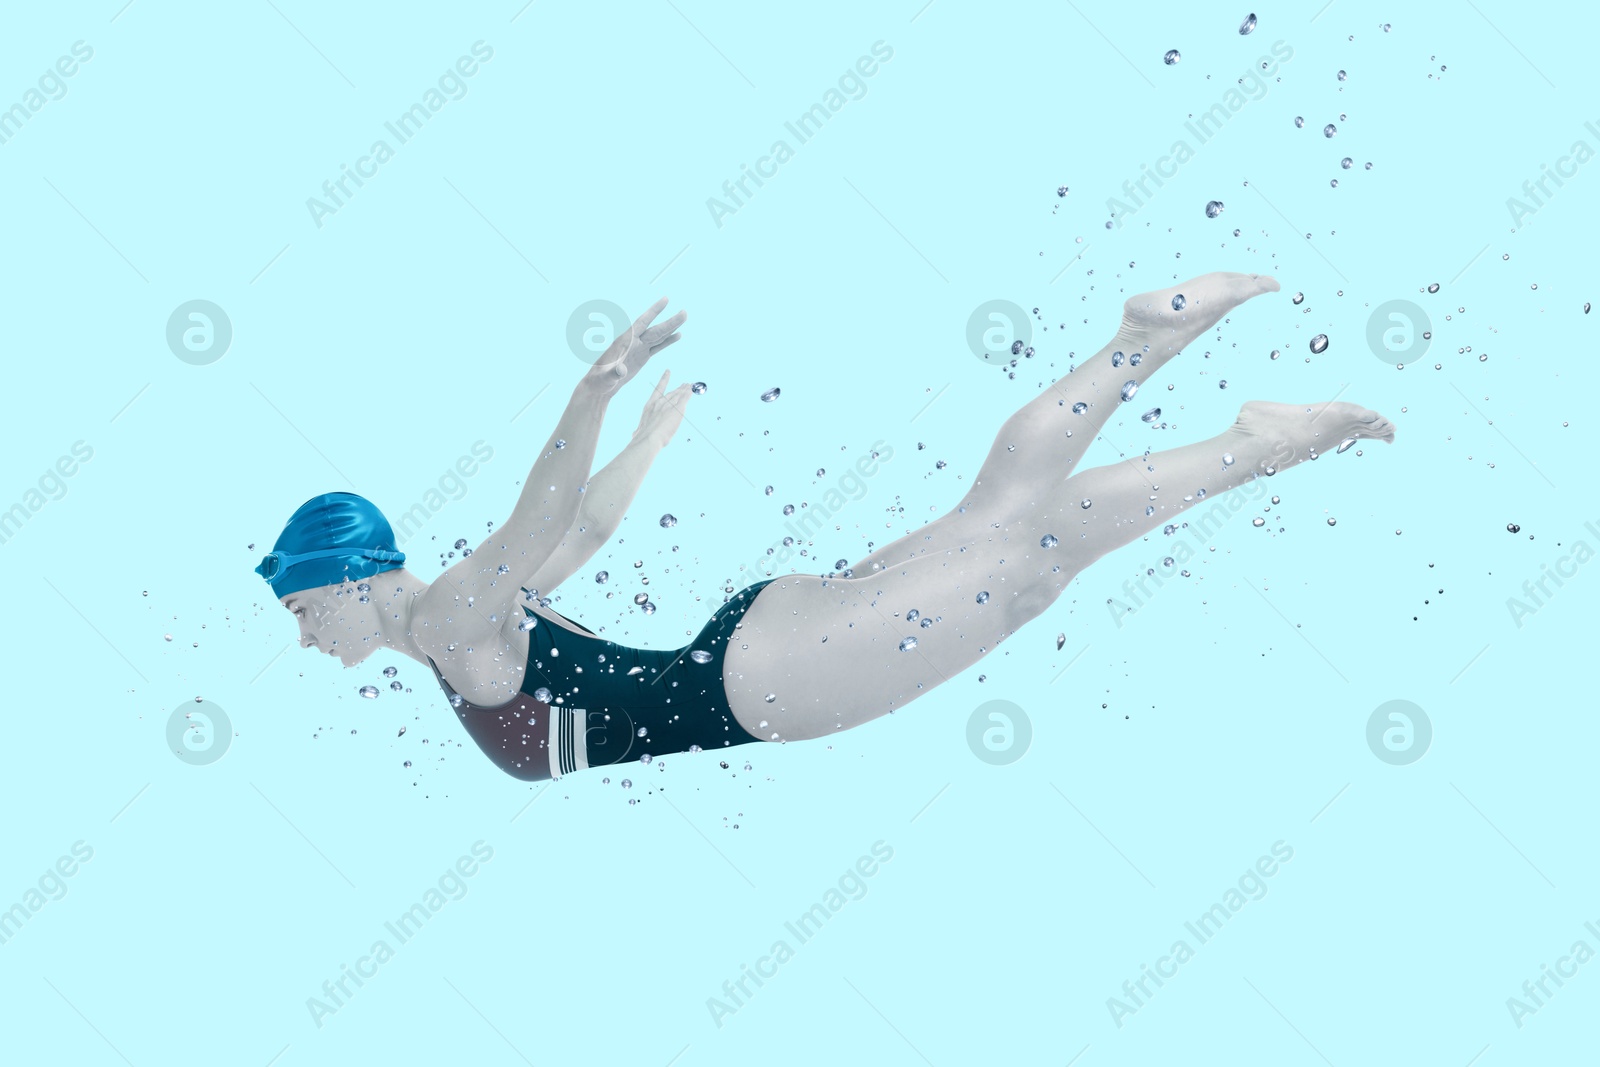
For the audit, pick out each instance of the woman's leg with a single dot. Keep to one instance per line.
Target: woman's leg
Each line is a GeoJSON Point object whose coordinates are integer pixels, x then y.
{"type": "Point", "coordinates": [816, 655]}
{"type": "Point", "coordinates": [1048, 436]}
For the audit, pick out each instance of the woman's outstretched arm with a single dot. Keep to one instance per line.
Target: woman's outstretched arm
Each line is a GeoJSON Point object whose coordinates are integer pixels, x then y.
{"type": "Point", "coordinates": [488, 581]}
{"type": "Point", "coordinates": [611, 490]}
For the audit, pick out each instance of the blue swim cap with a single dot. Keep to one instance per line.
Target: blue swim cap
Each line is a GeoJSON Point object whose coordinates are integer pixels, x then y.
{"type": "Point", "coordinates": [332, 538]}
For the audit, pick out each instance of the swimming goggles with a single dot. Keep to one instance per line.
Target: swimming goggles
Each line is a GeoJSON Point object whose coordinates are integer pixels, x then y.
{"type": "Point", "coordinates": [275, 563]}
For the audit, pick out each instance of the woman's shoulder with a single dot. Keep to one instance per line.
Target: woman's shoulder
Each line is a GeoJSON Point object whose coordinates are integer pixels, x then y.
{"type": "Point", "coordinates": [443, 621]}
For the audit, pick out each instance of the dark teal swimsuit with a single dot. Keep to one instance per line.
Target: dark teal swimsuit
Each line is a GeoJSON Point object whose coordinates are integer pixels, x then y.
{"type": "Point", "coordinates": [609, 703]}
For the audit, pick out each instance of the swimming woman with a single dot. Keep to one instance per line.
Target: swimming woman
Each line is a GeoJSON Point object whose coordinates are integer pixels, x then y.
{"type": "Point", "coordinates": [795, 657]}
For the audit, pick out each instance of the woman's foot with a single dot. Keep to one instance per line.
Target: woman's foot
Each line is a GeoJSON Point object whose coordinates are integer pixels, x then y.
{"type": "Point", "coordinates": [1154, 326]}
{"type": "Point", "coordinates": [1293, 432]}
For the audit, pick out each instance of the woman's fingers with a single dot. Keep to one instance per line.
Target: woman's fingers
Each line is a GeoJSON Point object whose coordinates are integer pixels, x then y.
{"type": "Point", "coordinates": [655, 394]}
{"type": "Point", "coordinates": [678, 399]}
{"type": "Point", "coordinates": [674, 339]}
{"type": "Point", "coordinates": [652, 337]}
{"type": "Point", "coordinates": [649, 316]}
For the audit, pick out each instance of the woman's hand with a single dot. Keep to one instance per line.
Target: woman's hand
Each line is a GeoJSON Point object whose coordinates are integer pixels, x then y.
{"type": "Point", "coordinates": [663, 412]}
{"type": "Point", "coordinates": [632, 349]}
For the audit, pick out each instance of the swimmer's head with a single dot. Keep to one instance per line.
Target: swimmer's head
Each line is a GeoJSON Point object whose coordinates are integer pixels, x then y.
{"type": "Point", "coordinates": [321, 567]}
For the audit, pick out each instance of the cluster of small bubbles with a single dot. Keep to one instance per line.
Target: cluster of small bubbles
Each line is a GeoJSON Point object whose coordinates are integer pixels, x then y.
{"type": "Point", "coordinates": [1319, 344]}
{"type": "Point", "coordinates": [771, 394]}
{"type": "Point", "coordinates": [1213, 208]}
{"type": "Point", "coordinates": [1049, 541]}
{"type": "Point", "coordinates": [668, 521]}
{"type": "Point", "coordinates": [983, 597]}
{"type": "Point", "coordinates": [1172, 57]}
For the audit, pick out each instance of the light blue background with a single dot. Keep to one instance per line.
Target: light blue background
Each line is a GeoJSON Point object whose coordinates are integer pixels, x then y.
{"type": "Point", "coordinates": [369, 354]}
